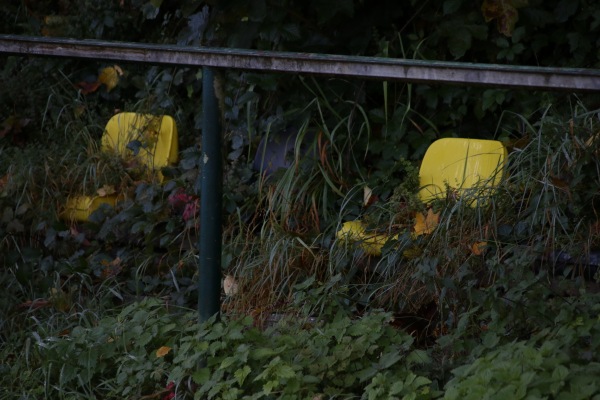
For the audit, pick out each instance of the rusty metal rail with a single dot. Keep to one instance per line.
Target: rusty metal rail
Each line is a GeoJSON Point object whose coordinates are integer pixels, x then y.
{"type": "Point", "coordinates": [569, 79]}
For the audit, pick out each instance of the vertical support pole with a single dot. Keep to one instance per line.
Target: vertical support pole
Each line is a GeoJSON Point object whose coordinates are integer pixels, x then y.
{"type": "Point", "coordinates": [209, 279]}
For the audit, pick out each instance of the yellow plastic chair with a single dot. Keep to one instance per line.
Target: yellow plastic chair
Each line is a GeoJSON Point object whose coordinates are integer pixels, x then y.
{"type": "Point", "coordinates": [150, 140]}
{"type": "Point", "coordinates": [467, 167]}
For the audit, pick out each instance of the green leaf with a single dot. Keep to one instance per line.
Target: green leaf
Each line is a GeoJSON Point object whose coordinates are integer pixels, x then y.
{"type": "Point", "coordinates": [565, 9]}
{"type": "Point", "coordinates": [67, 373]}
{"type": "Point", "coordinates": [451, 6]}
{"type": "Point", "coordinates": [396, 388]}
{"type": "Point", "coordinates": [201, 376]}
{"type": "Point", "coordinates": [305, 284]}
{"type": "Point", "coordinates": [140, 226]}
{"type": "Point", "coordinates": [418, 356]}
{"type": "Point", "coordinates": [326, 10]}
{"type": "Point", "coordinates": [134, 146]}
{"type": "Point", "coordinates": [366, 374]}
{"type": "Point", "coordinates": [311, 379]}
{"type": "Point", "coordinates": [285, 371]}
{"type": "Point", "coordinates": [262, 353]}
{"type": "Point", "coordinates": [560, 373]}
{"type": "Point", "coordinates": [269, 386]}
{"type": "Point", "coordinates": [490, 340]}
{"type": "Point", "coordinates": [421, 381]}
{"type": "Point", "coordinates": [227, 362]}
{"type": "Point", "coordinates": [241, 374]}
{"type": "Point", "coordinates": [459, 42]}
{"type": "Point", "coordinates": [389, 359]}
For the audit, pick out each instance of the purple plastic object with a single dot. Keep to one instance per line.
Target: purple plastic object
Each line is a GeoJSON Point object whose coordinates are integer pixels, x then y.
{"type": "Point", "coordinates": [277, 151]}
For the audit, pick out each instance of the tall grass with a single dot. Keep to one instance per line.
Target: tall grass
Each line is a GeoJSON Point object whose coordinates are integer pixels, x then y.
{"type": "Point", "coordinates": [546, 204]}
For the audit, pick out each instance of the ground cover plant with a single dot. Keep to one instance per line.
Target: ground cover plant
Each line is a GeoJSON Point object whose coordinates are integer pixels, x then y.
{"type": "Point", "coordinates": [497, 301]}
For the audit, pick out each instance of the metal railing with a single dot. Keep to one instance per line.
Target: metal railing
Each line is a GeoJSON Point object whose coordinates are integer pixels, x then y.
{"type": "Point", "coordinates": [574, 79]}
{"type": "Point", "coordinates": [433, 72]}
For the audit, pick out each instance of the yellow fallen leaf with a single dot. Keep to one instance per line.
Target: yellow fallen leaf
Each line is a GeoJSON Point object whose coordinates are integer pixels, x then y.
{"type": "Point", "coordinates": [479, 248]}
{"type": "Point", "coordinates": [109, 76]}
{"type": "Point", "coordinates": [426, 223]}
{"type": "Point", "coordinates": [162, 351]}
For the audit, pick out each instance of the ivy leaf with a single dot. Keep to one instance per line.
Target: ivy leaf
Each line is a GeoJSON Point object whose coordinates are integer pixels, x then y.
{"type": "Point", "coordinates": [327, 10]}
{"type": "Point", "coordinates": [194, 32]}
{"type": "Point", "coordinates": [460, 42]}
{"type": "Point", "coordinates": [134, 146]}
{"type": "Point", "coordinates": [451, 6]}
{"type": "Point", "coordinates": [565, 9]}
{"type": "Point", "coordinates": [504, 12]}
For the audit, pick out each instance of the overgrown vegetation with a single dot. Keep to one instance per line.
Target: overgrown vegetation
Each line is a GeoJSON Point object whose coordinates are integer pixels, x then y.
{"type": "Point", "coordinates": [498, 301]}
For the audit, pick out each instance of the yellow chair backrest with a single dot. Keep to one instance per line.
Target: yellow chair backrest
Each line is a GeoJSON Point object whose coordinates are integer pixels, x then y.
{"type": "Point", "coordinates": [468, 167]}
{"type": "Point", "coordinates": [154, 138]}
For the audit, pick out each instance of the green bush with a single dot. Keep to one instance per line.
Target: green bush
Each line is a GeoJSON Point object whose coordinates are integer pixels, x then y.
{"type": "Point", "coordinates": [559, 361]}
{"type": "Point", "coordinates": [295, 358]}
{"type": "Point", "coordinates": [337, 358]}
{"type": "Point", "coordinates": [522, 370]}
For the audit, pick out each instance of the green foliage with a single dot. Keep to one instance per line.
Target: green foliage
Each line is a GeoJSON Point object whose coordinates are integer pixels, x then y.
{"type": "Point", "coordinates": [558, 360]}
{"type": "Point", "coordinates": [113, 356]}
{"type": "Point", "coordinates": [334, 358]}
{"type": "Point", "coordinates": [521, 370]}
{"type": "Point", "coordinates": [295, 358]}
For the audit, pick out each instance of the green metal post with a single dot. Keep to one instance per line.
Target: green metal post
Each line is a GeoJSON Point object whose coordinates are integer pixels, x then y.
{"type": "Point", "coordinates": [209, 280]}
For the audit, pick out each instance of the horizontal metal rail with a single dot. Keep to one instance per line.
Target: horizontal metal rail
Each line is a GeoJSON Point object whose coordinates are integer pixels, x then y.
{"type": "Point", "coordinates": [568, 79]}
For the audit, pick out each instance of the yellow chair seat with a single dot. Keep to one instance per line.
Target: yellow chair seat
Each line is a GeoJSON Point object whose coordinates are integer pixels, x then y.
{"type": "Point", "coordinates": [151, 140]}
{"type": "Point", "coordinates": [80, 208]}
{"type": "Point", "coordinates": [371, 243]}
